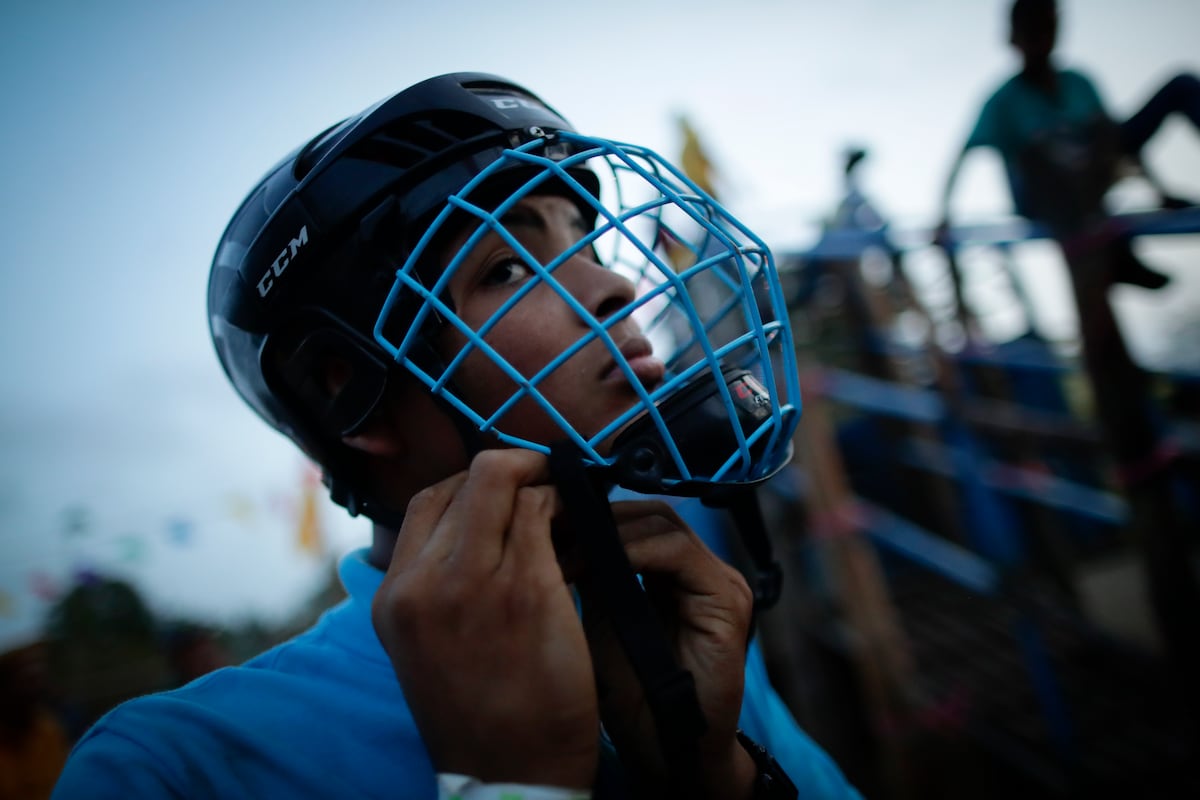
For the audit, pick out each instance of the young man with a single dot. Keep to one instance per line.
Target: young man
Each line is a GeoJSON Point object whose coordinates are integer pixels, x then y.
{"type": "Point", "coordinates": [431, 300]}
{"type": "Point", "coordinates": [1062, 150]}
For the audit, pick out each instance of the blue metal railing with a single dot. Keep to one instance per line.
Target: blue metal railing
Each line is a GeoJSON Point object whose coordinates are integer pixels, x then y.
{"type": "Point", "coordinates": [988, 487]}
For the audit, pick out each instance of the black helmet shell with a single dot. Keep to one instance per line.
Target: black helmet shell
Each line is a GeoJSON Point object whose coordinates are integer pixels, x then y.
{"type": "Point", "coordinates": [314, 246]}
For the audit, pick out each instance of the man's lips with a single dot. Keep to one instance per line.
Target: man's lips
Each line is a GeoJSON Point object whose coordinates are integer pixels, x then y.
{"type": "Point", "coordinates": [639, 355]}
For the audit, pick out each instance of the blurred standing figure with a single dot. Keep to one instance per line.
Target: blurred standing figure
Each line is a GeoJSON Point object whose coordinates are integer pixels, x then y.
{"type": "Point", "coordinates": [1062, 150]}
{"type": "Point", "coordinates": [855, 211]}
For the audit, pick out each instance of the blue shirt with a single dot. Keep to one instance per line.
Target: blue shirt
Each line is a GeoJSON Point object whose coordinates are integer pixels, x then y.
{"type": "Point", "coordinates": [322, 715]}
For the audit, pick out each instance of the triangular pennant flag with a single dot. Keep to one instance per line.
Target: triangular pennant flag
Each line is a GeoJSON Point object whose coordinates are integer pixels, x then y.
{"type": "Point", "coordinates": [43, 586]}
{"type": "Point", "coordinates": [179, 531]}
{"type": "Point", "coordinates": [241, 508]}
{"type": "Point", "coordinates": [77, 521]}
{"type": "Point", "coordinates": [86, 575]}
{"type": "Point", "coordinates": [133, 549]}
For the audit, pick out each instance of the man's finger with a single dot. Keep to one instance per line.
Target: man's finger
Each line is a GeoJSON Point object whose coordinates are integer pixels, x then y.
{"type": "Point", "coordinates": [657, 540]}
{"type": "Point", "coordinates": [640, 519]}
{"type": "Point", "coordinates": [530, 547]}
{"type": "Point", "coordinates": [419, 533]}
{"type": "Point", "coordinates": [481, 513]}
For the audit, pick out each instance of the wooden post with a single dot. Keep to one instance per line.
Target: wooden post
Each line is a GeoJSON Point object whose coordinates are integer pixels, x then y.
{"type": "Point", "coordinates": [1128, 422]}
{"type": "Point", "coordinates": [878, 645]}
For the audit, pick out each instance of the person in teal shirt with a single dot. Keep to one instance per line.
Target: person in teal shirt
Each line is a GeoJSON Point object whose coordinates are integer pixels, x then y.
{"type": "Point", "coordinates": [1062, 149]}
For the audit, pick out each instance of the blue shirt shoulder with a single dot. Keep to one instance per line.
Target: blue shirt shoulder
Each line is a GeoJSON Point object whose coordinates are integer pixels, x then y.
{"type": "Point", "coordinates": [323, 716]}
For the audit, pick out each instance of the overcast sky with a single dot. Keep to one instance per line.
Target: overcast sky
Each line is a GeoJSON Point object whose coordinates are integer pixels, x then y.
{"type": "Point", "coordinates": [134, 129]}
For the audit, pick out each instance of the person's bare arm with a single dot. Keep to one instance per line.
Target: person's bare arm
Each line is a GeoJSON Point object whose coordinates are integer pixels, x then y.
{"type": "Point", "coordinates": [942, 229]}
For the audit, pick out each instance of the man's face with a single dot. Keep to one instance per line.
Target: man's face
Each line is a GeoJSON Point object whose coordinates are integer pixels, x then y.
{"type": "Point", "coordinates": [1035, 33]}
{"type": "Point", "coordinates": [588, 389]}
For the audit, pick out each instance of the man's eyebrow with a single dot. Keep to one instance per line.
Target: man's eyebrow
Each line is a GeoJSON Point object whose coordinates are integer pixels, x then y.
{"type": "Point", "coordinates": [525, 217]}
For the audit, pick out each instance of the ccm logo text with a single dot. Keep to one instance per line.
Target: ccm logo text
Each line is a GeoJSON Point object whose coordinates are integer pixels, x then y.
{"type": "Point", "coordinates": [281, 262]}
{"type": "Point", "coordinates": [515, 102]}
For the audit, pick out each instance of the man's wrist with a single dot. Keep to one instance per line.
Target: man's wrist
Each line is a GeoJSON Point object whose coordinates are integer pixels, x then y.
{"type": "Point", "coordinates": [770, 781]}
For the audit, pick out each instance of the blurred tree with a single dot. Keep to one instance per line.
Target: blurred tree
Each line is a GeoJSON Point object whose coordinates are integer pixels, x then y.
{"type": "Point", "coordinates": [194, 650]}
{"type": "Point", "coordinates": [103, 647]}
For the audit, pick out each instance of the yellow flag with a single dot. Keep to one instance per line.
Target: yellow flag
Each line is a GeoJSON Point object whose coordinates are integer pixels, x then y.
{"type": "Point", "coordinates": [695, 162]}
{"type": "Point", "coordinates": [309, 536]}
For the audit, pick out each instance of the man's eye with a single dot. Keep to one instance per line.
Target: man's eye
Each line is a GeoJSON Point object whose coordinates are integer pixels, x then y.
{"type": "Point", "coordinates": [505, 272]}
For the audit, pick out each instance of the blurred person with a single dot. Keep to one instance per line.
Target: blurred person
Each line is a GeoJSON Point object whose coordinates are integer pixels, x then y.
{"type": "Point", "coordinates": [1063, 150]}
{"type": "Point", "coordinates": [33, 742]}
{"type": "Point", "coordinates": [453, 304]}
{"type": "Point", "coordinates": [855, 211]}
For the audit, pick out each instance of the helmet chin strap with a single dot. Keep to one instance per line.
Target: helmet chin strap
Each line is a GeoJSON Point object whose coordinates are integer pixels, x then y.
{"type": "Point", "coordinates": [699, 422]}
{"type": "Point", "coordinates": [742, 503]}
{"type": "Point", "coordinates": [612, 587]}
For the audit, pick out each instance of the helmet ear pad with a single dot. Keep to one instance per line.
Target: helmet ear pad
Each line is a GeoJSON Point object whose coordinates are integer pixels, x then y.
{"type": "Point", "coordinates": [338, 383]}
{"type": "Point", "coordinates": [338, 379]}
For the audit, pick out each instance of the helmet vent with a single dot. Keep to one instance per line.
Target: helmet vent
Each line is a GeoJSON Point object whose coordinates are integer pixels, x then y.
{"type": "Point", "coordinates": [316, 149]}
{"type": "Point", "coordinates": [411, 141]}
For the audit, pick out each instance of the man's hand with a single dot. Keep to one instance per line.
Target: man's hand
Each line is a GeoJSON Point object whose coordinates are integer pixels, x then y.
{"type": "Point", "coordinates": [483, 632]}
{"type": "Point", "coordinates": [705, 606]}
{"type": "Point", "coordinates": [941, 235]}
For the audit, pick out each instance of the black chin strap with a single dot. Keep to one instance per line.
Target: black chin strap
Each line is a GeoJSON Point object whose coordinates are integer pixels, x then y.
{"type": "Point", "coordinates": [612, 585]}
{"type": "Point", "coordinates": [742, 504]}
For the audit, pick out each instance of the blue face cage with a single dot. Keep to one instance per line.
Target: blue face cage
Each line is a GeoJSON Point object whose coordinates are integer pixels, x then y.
{"type": "Point", "coordinates": [708, 297]}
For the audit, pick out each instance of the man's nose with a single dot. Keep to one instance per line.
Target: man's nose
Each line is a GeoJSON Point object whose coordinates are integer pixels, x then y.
{"type": "Point", "coordinates": [598, 289]}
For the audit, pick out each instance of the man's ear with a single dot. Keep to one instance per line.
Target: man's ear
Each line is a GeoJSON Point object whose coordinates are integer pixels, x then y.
{"type": "Point", "coordinates": [378, 437]}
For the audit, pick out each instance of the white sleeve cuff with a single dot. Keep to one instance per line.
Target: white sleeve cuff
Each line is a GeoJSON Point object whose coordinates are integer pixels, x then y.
{"type": "Point", "coordinates": [464, 787]}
